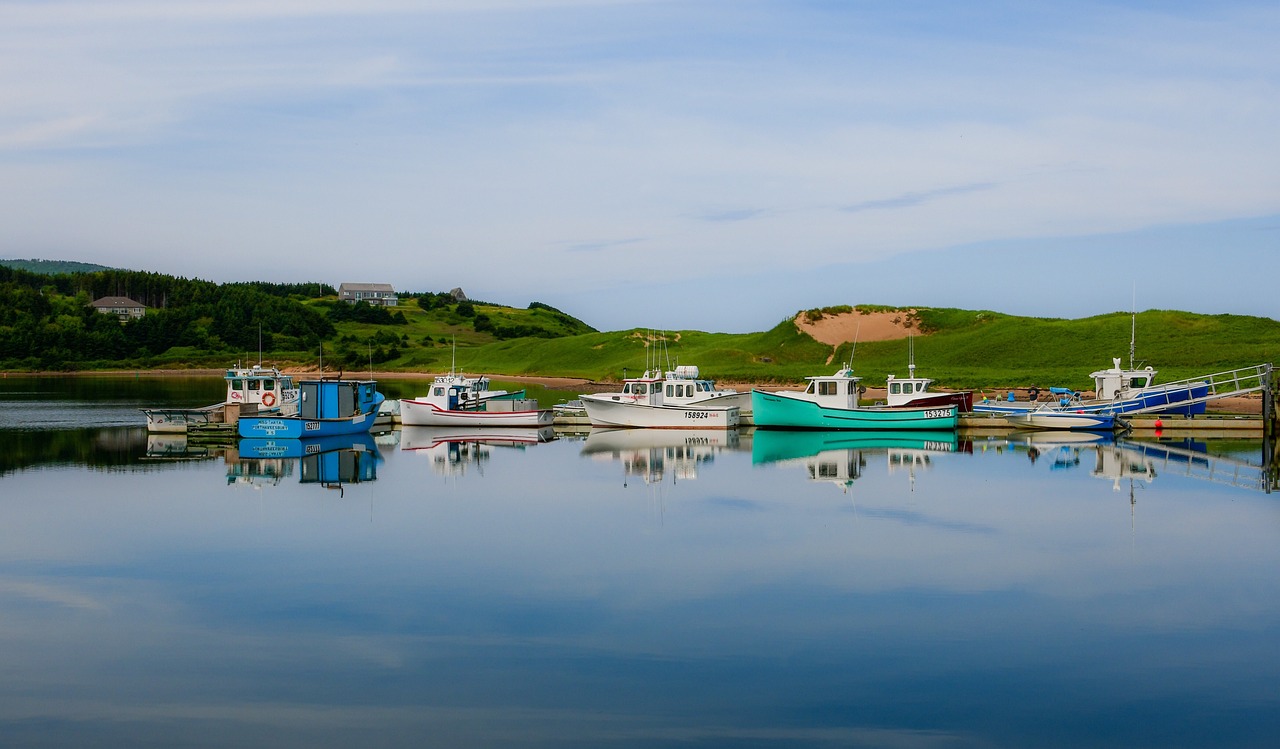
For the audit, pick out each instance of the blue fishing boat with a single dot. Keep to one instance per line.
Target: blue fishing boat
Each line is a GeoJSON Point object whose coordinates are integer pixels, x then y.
{"type": "Point", "coordinates": [831, 402]}
{"type": "Point", "coordinates": [326, 408]}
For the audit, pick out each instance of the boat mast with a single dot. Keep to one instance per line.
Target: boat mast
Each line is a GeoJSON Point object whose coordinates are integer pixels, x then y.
{"type": "Point", "coordinates": [1133, 324]}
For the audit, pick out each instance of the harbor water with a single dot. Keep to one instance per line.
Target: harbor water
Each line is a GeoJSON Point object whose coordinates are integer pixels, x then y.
{"type": "Point", "coordinates": [633, 588]}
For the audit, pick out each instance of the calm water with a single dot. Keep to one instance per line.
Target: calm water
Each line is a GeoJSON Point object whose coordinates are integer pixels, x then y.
{"type": "Point", "coordinates": [626, 589]}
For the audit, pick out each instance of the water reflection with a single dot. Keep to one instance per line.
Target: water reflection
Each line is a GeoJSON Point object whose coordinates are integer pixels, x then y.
{"type": "Point", "coordinates": [652, 454]}
{"type": "Point", "coordinates": [331, 462]}
{"type": "Point", "coordinates": [452, 451]}
{"type": "Point", "coordinates": [841, 458]}
{"type": "Point", "coordinates": [971, 598]}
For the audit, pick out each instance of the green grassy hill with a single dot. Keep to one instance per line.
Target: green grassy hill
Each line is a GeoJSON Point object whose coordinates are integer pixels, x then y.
{"type": "Point", "coordinates": [962, 348]}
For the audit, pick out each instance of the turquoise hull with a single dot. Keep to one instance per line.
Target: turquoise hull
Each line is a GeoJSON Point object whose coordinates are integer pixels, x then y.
{"type": "Point", "coordinates": [786, 412]}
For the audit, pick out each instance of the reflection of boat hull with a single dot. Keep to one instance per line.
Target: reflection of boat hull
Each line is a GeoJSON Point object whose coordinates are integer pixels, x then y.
{"type": "Point", "coordinates": [423, 414]}
{"type": "Point", "coordinates": [605, 412]}
{"type": "Point", "coordinates": [773, 446]}
{"type": "Point", "coordinates": [425, 438]}
{"type": "Point", "coordinates": [1069, 420]}
{"type": "Point", "coordinates": [255, 448]}
{"type": "Point", "coordinates": [608, 441]}
{"type": "Point", "coordinates": [795, 411]}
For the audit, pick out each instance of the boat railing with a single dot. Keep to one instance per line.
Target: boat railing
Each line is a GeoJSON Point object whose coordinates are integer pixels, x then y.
{"type": "Point", "coordinates": [1234, 382]}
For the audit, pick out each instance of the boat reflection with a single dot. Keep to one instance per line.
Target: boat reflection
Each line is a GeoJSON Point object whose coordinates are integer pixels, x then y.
{"type": "Point", "coordinates": [840, 457]}
{"type": "Point", "coordinates": [455, 450]}
{"type": "Point", "coordinates": [331, 462]}
{"type": "Point", "coordinates": [652, 454]}
{"type": "Point", "coordinates": [1117, 459]}
{"type": "Point", "coordinates": [772, 446]}
{"type": "Point", "coordinates": [175, 446]}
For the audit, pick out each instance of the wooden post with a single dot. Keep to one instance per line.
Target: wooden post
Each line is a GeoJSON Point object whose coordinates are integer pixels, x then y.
{"type": "Point", "coordinates": [1270, 441]}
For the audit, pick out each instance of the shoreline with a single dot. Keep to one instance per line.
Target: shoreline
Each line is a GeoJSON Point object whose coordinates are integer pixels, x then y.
{"type": "Point", "coordinates": [1249, 405]}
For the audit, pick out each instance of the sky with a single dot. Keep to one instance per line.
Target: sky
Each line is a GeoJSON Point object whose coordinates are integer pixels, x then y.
{"type": "Point", "coordinates": [704, 164]}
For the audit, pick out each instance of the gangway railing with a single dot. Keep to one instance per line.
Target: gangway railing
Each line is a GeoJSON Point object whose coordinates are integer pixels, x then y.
{"type": "Point", "coordinates": [1218, 469]}
{"type": "Point", "coordinates": [1252, 379]}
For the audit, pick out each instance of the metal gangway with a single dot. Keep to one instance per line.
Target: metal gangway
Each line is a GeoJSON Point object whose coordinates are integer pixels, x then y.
{"type": "Point", "coordinates": [1252, 379]}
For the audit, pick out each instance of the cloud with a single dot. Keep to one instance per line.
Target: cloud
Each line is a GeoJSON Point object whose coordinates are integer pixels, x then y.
{"type": "Point", "coordinates": [912, 199]}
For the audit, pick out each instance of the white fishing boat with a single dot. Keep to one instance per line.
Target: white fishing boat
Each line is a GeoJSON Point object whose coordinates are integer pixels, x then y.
{"type": "Point", "coordinates": [642, 403]}
{"type": "Point", "coordinates": [257, 389]}
{"type": "Point", "coordinates": [466, 402]}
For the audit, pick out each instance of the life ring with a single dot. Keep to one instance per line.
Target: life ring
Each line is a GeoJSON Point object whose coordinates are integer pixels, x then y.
{"type": "Point", "coordinates": [268, 399]}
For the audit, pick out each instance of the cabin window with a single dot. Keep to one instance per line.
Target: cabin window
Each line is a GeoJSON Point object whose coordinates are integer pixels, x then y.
{"type": "Point", "coordinates": [268, 384]}
{"type": "Point", "coordinates": [237, 384]}
{"type": "Point", "coordinates": [809, 389]}
{"type": "Point", "coordinates": [828, 388]}
{"type": "Point", "coordinates": [253, 384]}
{"type": "Point", "coordinates": [853, 387]}
{"type": "Point", "coordinates": [641, 389]}
{"type": "Point", "coordinates": [895, 388]}
{"type": "Point", "coordinates": [439, 391]}
{"type": "Point", "coordinates": [671, 390]}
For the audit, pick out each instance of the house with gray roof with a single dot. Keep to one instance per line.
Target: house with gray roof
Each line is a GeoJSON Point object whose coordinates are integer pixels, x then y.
{"type": "Point", "coordinates": [373, 293]}
{"type": "Point", "coordinates": [120, 306]}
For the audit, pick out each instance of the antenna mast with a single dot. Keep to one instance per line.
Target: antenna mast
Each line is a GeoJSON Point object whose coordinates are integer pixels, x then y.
{"type": "Point", "coordinates": [1133, 324]}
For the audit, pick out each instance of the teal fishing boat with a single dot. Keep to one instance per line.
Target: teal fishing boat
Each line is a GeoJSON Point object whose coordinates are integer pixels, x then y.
{"type": "Point", "coordinates": [831, 402]}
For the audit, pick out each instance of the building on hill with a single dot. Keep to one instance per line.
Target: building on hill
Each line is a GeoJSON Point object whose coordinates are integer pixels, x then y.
{"type": "Point", "coordinates": [373, 293]}
{"type": "Point", "coordinates": [120, 306]}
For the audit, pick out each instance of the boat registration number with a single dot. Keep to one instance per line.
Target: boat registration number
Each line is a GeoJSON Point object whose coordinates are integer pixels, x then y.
{"type": "Point", "coordinates": [937, 413]}
{"type": "Point", "coordinates": [311, 426]}
{"type": "Point", "coordinates": [697, 415]}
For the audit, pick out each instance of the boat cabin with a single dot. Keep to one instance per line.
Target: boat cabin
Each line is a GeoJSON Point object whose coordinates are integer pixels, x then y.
{"type": "Point", "coordinates": [267, 389]}
{"type": "Point", "coordinates": [900, 392]}
{"type": "Point", "coordinates": [839, 390]}
{"type": "Point", "coordinates": [338, 399]}
{"type": "Point", "coordinates": [1117, 383]}
{"type": "Point", "coordinates": [645, 390]}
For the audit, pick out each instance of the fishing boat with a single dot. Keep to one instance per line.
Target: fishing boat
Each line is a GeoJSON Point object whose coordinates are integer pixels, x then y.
{"type": "Point", "coordinates": [1050, 417]}
{"type": "Point", "coordinates": [642, 403]}
{"type": "Point", "coordinates": [326, 407]}
{"type": "Point", "coordinates": [914, 392]}
{"type": "Point", "coordinates": [263, 390]}
{"type": "Point", "coordinates": [831, 402]}
{"type": "Point", "coordinates": [1120, 390]}
{"type": "Point", "coordinates": [466, 402]}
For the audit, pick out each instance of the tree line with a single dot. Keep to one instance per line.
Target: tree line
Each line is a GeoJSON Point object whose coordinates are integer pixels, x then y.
{"type": "Point", "coordinates": [46, 321]}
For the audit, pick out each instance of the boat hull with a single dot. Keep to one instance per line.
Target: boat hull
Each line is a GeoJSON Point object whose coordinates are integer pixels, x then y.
{"type": "Point", "coordinates": [605, 412]}
{"type": "Point", "coordinates": [295, 427]}
{"type": "Point", "coordinates": [1067, 420]}
{"type": "Point", "coordinates": [787, 411]}
{"type": "Point", "coordinates": [1184, 400]}
{"type": "Point", "coordinates": [962, 400]}
{"type": "Point", "coordinates": [421, 414]}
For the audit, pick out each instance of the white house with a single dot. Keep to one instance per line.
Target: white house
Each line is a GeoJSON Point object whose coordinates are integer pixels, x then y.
{"type": "Point", "coordinates": [373, 293]}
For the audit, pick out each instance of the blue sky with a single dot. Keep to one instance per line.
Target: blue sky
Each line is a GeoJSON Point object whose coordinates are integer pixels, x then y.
{"type": "Point", "coordinates": [706, 165]}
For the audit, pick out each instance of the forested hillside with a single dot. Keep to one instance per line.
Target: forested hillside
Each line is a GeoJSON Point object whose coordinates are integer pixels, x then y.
{"type": "Point", "coordinates": [46, 322]}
